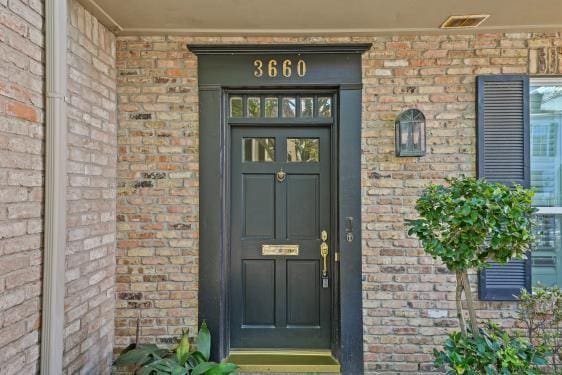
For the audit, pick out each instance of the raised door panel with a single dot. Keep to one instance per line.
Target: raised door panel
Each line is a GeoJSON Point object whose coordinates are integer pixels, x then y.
{"type": "Point", "coordinates": [302, 206]}
{"type": "Point", "coordinates": [259, 293]}
{"type": "Point", "coordinates": [303, 293]}
{"type": "Point", "coordinates": [259, 205]}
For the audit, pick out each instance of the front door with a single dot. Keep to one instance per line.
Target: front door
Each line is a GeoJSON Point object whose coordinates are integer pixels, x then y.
{"type": "Point", "coordinates": [280, 222]}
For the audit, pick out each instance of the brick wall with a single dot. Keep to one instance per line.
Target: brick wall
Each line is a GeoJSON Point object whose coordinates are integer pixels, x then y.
{"type": "Point", "coordinates": [92, 150]}
{"type": "Point", "coordinates": [21, 183]}
{"type": "Point", "coordinates": [157, 220]}
{"type": "Point", "coordinates": [408, 297]}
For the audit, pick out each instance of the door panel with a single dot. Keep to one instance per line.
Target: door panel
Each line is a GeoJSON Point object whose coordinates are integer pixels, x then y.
{"type": "Point", "coordinates": [303, 206]}
{"type": "Point", "coordinates": [279, 301]}
{"type": "Point", "coordinates": [303, 293]}
{"type": "Point", "coordinates": [259, 293]}
{"type": "Point", "coordinates": [259, 205]}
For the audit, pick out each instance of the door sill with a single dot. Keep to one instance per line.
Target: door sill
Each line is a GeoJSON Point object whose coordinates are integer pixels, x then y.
{"type": "Point", "coordinates": [283, 360]}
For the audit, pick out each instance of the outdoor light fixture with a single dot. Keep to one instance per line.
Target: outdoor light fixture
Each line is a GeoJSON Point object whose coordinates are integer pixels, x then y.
{"type": "Point", "coordinates": [410, 133]}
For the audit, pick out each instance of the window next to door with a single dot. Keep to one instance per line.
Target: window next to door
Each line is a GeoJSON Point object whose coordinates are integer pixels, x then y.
{"type": "Point", "coordinates": [546, 177]}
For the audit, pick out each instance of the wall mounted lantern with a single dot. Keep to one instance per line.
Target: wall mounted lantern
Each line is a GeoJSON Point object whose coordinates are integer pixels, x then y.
{"type": "Point", "coordinates": [410, 133]}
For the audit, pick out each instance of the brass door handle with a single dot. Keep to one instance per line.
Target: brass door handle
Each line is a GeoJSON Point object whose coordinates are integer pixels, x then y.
{"type": "Point", "coordinates": [324, 253]}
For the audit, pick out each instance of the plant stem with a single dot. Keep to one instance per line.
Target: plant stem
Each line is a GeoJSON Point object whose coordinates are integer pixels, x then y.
{"type": "Point", "coordinates": [138, 331]}
{"type": "Point", "coordinates": [470, 305]}
{"type": "Point", "coordinates": [458, 296]}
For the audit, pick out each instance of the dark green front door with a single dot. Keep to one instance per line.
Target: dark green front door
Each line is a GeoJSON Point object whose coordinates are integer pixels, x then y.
{"type": "Point", "coordinates": [280, 186]}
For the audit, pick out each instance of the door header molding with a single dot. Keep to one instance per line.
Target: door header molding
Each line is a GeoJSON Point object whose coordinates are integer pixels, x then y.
{"type": "Point", "coordinates": [228, 49]}
{"type": "Point", "coordinates": [279, 65]}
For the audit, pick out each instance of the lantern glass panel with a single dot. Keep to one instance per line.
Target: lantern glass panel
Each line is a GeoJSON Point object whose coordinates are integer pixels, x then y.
{"type": "Point", "coordinates": [410, 133]}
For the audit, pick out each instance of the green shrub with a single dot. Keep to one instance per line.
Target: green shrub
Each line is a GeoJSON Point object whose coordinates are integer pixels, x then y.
{"type": "Point", "coordinates": [469, 223]}
{"type": "Point", "coordinates": [183, 360]}
{"type": "Point", "coordinates": [494, 351]}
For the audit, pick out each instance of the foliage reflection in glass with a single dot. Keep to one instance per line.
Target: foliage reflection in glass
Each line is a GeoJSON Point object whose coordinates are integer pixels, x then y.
{"type": "Point", "coordinates": [307, 107]}
{"type": "Point", "coordinates": [303, 150]}
{"type": "Point", "coordinates": [289, 107]}
{"type": "Point", "coordinates": [271, 107]}
{"type": "Point", "coordinates": [236, 106]}
{"type": "Point", "coordinates": [259, 149]}
{"type": "Point", "coordinates": [325, 106]}
{"type": "Point", "coordinates": [254, 109]}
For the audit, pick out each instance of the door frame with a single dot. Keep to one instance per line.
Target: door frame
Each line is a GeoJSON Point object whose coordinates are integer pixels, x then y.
{"type": "Point", "coordinates": [225, 67]}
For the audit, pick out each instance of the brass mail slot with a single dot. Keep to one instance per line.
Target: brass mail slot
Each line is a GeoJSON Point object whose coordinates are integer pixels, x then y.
{"type": "Point", "coordinates": [283, 250]}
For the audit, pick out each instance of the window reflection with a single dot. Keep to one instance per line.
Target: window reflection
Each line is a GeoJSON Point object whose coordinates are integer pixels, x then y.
{"type": "Point", "coordinates": [546, 178]}
{"type": "Point", "coordinates": [254, 109]}
{"type": "Point", "coordinates": [547, 252]}
{"type": "Point", "coordinates": [325, 106]}
{"type": "Point", "coordinates": [307, 107]}
{"type": "Point", "coordinates": [259, 149]}
{"type": "Point", "coordinates": [546, 156]}
{"type": "Point", "coordinates": [289, 107]}
{"type": "Point", "coordinates": [271, 107]}
{"type": "Point", "coordinates": [236, 106]}
{"type": "Point", "coordinates": [303, 150]}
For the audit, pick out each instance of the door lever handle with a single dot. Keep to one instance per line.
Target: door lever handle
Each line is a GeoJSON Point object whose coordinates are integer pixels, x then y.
{"type": "Point", "coordinates": [324, 253]}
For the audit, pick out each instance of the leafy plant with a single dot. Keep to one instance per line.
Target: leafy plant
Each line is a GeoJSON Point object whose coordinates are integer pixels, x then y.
{"type": "Point", "coordinates": [492, 352]}
{"type": "Point", "coordinates": [541, 313]}
{"type": "Point", "coordinates": [149, 359]}
{"type": "Point", "coordinates": [469, 223]}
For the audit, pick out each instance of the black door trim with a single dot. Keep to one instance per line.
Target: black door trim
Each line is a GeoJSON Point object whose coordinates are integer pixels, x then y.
{"type": "Point", "coordinates": [229, 67]}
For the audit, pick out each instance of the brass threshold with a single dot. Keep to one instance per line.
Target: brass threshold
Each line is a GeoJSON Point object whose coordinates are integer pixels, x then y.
{"type": "Point", "coordinates": [283, 360]}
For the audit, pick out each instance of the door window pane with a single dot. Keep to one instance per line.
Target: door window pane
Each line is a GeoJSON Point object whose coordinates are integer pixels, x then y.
{"type": "Point", "coordinates": [254, 107]}
{"type": "Point", "coordinates": [307, 107]}
{"type": "Point", "coordinates": [547, 252]}
{"type": "Point", "coordinates": [236, 106]}
{"type": "Point", "coordinates": [289, 107]}
{"type": "Point", "coordinates": [546, 155]}
{"type": "Point", "coordinates": [325, 106]}
{"type": "Point", "coordinates": [303, 150]}
{"type": "Point", "coordinates": [259, 149]}
{"type": "Point", "coordinates": [271, 107]}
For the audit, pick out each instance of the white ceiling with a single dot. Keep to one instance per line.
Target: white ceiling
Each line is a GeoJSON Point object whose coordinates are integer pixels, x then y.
{"type": "Point", "coordinates": [290, 17]}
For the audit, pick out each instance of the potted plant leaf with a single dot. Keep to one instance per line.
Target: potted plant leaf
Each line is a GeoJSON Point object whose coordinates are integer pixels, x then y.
{"type": "Point", "coordinates": [184, 359]}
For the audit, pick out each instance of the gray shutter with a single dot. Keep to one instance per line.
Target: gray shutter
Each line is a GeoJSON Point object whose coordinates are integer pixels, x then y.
{"type": "Point", "coordinates": [503, 156]}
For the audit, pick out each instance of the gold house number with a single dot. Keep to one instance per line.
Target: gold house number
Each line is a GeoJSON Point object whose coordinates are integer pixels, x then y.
{"type": "Point", "coordinates": [273, 68]}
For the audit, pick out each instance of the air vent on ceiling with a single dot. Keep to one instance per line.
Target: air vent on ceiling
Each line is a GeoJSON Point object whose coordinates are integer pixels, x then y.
{"type": "Point", "coordinates": [459, 22]}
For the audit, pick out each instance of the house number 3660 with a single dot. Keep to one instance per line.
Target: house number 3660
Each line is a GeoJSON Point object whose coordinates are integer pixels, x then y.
{"type": "Point", "coordinates": [273, 68]}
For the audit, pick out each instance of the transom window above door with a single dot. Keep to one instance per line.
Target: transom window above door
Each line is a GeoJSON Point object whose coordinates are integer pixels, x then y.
{"type": "Point", "coordinates": [280, 106]}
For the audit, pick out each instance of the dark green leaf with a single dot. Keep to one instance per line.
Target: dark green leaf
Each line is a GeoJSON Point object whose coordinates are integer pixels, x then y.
{"type": "Point", "coordinates": [222, 369]}
{"type": "Point", "coordinates": [202, 368]}
{"type": "Point", "coordinates": [204, 341]}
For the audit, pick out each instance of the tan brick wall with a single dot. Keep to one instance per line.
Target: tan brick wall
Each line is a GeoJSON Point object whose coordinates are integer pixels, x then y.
{"type": "Point", "coordinates": [158, 177]}
{"type": "Point", "coordinates": [21, 183]}
{"type": "Point", "coordinates": [92, 153]}
{"type": "Point", "coordinates": [408, 298]}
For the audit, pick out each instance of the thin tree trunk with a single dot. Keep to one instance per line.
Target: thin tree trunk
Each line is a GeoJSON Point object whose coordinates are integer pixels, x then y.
{"type": "Point", "coordinates": [458, 296]}
{"type": "Point", "coordinates": [470, 305]}
{"type": "Point", "coordinates": [138, 331]}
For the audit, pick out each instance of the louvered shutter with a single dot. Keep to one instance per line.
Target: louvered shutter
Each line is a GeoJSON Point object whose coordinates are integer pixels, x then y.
{"type": "Point", "coordinates": [503, 156]}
